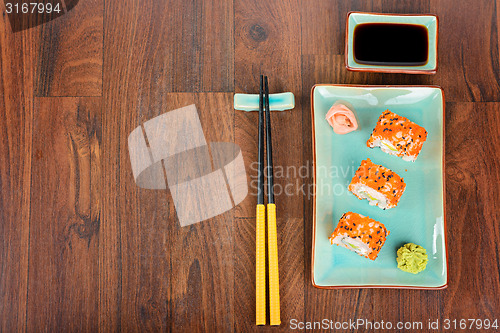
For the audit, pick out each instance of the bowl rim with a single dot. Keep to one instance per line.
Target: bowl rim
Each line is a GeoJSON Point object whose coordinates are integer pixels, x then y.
{"type": "Point", "coordinates": [313, 242]}
{"type": "Point", "coordinates": [388, 69]}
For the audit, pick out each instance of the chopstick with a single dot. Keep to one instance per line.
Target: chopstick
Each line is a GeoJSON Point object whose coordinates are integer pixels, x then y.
{"type": "Point", "coordinates": [274, 289]}
{"type": "Point", "coordinates": [260, 228]}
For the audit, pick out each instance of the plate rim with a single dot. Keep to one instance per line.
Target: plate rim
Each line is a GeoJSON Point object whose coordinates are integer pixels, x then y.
{"type": "Point", "coordinates": [388, 69]}
{"type": "Point", "coordinates": [445, 285]}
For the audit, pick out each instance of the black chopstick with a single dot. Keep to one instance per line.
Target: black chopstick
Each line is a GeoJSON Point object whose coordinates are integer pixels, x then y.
{"type": "Point", "coordinates": [270, 178]}
{"type": "Point", "coordinates": [260, 226]}
{"type": "Point", "coordinates": [274, 289]}
{"type": "Point", "coordinates": [260, 179]}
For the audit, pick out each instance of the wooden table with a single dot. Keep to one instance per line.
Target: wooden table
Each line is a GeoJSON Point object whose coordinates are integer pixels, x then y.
{"type": "Point", "coordinates": [83, 248]}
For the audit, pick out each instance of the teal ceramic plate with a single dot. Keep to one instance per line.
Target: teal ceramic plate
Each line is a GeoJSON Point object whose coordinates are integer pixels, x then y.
{"type": "Point", "coordinates": [430, 22]}
{"type": "Point", "coordinates": [418, 218]}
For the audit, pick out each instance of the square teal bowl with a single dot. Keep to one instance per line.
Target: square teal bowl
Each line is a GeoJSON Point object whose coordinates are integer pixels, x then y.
{"type": "Point", "coordinates": [420, 215]}
{"type": "Point", "coordinates": [430, 22]}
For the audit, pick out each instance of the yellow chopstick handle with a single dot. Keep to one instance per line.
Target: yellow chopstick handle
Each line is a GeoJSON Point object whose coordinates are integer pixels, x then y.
{"type": "Point", "coordinates": [274, 284]}
{"type": "Point", "coordinates": [260, 269]}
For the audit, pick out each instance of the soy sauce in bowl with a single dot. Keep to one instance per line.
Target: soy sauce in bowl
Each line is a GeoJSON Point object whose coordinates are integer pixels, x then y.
{"type": "Point", "coordinates": [391, 44]}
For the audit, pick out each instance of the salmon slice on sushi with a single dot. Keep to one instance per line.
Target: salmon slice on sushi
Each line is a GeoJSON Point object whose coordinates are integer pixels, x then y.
{"type": "Point", "coordinates": [396, 135]}
{"type": "Point", "coordinates": [379, 185]}
{"type": "Point", "coordinates": [360, 234]}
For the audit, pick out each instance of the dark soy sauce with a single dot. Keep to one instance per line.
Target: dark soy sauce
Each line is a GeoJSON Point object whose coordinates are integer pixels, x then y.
{"type": "Point", "coordinates": [391, 44]}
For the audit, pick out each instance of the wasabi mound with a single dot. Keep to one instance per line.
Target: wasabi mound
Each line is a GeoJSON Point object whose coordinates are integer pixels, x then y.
{"type": "Point", "coordinates": [412, 258]}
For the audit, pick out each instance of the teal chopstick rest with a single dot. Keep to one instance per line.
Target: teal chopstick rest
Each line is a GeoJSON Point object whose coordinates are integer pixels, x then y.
{"type": "Point", "coordinates": [277, 102]}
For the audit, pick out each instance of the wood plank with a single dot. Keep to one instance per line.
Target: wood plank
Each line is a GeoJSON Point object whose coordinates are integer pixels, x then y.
{"type": "Point", "coordinates": [65, 215]}
{"type": "Point", "coordinates": [16, 94]}
{"type": "Point", "coordinates": [186, 48]}
{"type": "Point", "coordinates": [119, 193]}
{"type": "Point", "coordinates": [135, 267]}
{"type": "Point", "coordinates": [267, 41]}
{"type": "Point", "coordinates": [472, 194]}
{"type": "Point", "coordinates": [134, 276]}
{"type": "Point", "coordinates": [201, 255]}
{"type": "Point", "coordinates": [468, 65]}
{"type": "Point", "coordinates": [145, 219]}
{"type": "Point", "coordinates": [71, 53]}
{"type": "Point", "coordinates": [163, 264]}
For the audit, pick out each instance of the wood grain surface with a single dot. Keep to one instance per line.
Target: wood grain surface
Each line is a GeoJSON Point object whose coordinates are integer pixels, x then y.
{"type": "Point", "coordinates": [69, 61]}
{"type": "Point", "coordinates": [16, 120]}
{"type": "Point", "coordinates": [64, 214]}
{"type": "Point", "coordinates": [82, 248]}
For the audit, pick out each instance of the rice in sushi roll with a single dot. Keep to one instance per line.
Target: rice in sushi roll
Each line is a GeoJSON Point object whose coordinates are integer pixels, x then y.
{"type": "Point", "coordinates": [360, 234]}
{"type": "Point", "coordinates": [397, 135]}
{"type": "Point", "coordinates": [381, 186]}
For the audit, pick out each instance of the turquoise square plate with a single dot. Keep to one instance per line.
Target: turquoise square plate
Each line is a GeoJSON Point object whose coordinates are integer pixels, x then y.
{"type": "Point", "coordinates": [430, 22]}
{"type": "Point", "coordinates": [419, 217]}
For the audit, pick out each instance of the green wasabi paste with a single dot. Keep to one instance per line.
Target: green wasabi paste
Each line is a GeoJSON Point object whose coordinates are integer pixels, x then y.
{"type": "Point", "coordinates": [412, 258]}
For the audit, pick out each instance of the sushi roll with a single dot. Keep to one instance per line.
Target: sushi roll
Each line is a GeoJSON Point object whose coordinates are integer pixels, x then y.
{"type": "Point", "coordinates": [397, 135]}
{"type": "Point", "coordinates": [381, 186]}
{"type": "Point", "coordinates": [360, 234]}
